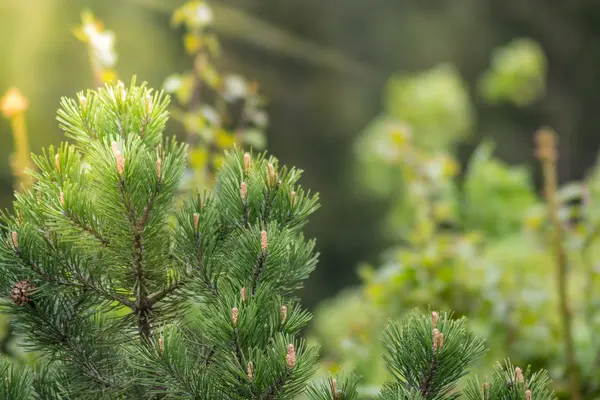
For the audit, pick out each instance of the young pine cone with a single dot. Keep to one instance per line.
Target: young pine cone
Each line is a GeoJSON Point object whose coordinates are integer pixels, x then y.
{"type": "Point", "coordinates": [21, 291]}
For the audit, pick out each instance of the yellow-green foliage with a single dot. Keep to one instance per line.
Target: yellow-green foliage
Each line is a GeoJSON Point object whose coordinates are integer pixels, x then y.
{"type": "Point", "coordinates": [475, 242]}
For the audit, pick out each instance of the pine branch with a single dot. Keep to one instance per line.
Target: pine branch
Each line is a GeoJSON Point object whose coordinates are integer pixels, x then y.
{"type": "Point", "coordinates": [262, 257]}
{"type": "Point", "coordinates": [87, 228]}
{"type": "Point", "coordinates": [277, 386]}
{"type": "Point", "coordinates": [81, 284]}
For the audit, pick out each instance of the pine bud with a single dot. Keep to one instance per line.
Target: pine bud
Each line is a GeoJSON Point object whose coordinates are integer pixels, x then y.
{"type": "Point", "coordinates": [440, 340]}
{"type": "Point", "coordinates": [114, 146]}
{"type": "Point", "coordinates": [161, 345]}
{"type": "Point", "coordinates": [234, 315]}
{"type": "Point", "coordinates": [519, 375]}
{"type": "Point", "coordinates": [263, 240]}
{"type": "Point", "coordinates": [528, 395]}
{"type": "Point", "coordinates": [283, 314]}
{"type": "Point", "coordinates": [57, 162]}
{"type": "Point", "coordinates": [293, 198]}
{"type": "Point", "coordinates": [434, 319]}
{"type": "Point", "coordinates": [196, 220]}
{"type": "Point", "coordinates": [244, 191]}
{"type": "Point", "coordinates": [290, 358]}
{"type": "Point", "coordinates": [243, 293]}
{"type": "Point", "coordinates": [250, 371]}
{"type": "Point", "coordinates": [148, 103]}
{"type": "Point", "coordinates": [270, 174]}
{"type": "Point", "coordinates": [246, 163]}
{"type": "Point", "coordinates": [120, 162]}
{"type": "Point", "coordinates": [83, 102]}
{"type": "Point", "coordinates": [15, 239]}
{"type": "Point", "coordinates": [436, 335]}
{"type": "Point", "coordinates": [62, 198]}
{"type": "Point", "coordinates": [123, 92]}
{"type": "Point", "coordinates": [159, 168]}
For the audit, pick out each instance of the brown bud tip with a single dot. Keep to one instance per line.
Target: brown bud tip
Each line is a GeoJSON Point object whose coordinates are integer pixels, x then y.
{"type": "Point", "coordinates": [283, 314]}
{"type": "Point", "coordinates": [270, 174]}
{"type": "Point", "coordinates": [440, 340]}
{"type": "Point", "coordinates": [243, 191]}
{"type": "Point", "coordinates": [243, 293]}
{"type": "Point", "coordinates": [290, 358]}
{"type": "Point", "coordinates": [528, 395]}
{"type": "Point", "coordinates": [234, 315]}
{"type": "Point", "coordinates": [161, 345]}
{"type": "Point", "coordinates": [15, 239]}
{"type": "Point", "coordinates": [334, 389]}
{"type": "Point", "coordinates": [57, 162]}
{"type": "Point", "coordinates": [13, 103]}
{"type": "Point", "coordinates": [263, 240]}
{"type": "Point", "coordinates": [519, 375]}
{"type": "Point", "coordinates": [159, 167]}
{"type": "Point", "coordinates": [250, 371]}
{"type": "Point", "coordinates": [62, 198]}
{"type": "Point", "coordinates": [436, 335]}
{"type": "Point", "coordinates": [120, 162]}
{"type": "Point", "coordinates": [196, 220]}
{"type": "Point", "coordinates": [247, 163]}
{"type": "Point", "coordinates": [434, 319]}
{"type": "Point", "coordinates": [546, 141]}
{"type": "Point", "coordinates": [293, 198]}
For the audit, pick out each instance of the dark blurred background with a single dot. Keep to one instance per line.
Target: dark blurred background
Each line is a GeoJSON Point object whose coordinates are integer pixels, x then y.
{"type": "Point", "coordinates": [323, 66]}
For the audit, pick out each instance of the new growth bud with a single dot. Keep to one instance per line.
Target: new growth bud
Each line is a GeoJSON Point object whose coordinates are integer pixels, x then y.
{"type": "Point", "coordinates": [434, 319]}
{"type": "Point", "coordinates": [196, 220]}
{"type": "Point", "coordinates": [270, 174]}
{"type": "Point", "coordinates": [293, 198]}
{"type": "Point", "coordinates": [243, 293]}
{"type": "Point", "coordinates": [438, 340]}
{"type": "Point", "coordinates": [148, 103]}
{"type": "Point", "coordinates": [290, 358]}
{"type": "Point", "coordinates": [283, 314]}
{"type": "Point", "coordinates": [83, 102]}
{"type": "Point", "coordinates": [161, 345]}
{"type": "Point", "coordinates": [528, 395]}
{"type": "Point", "coordinates": [159, 168]}
{"type": "Point", "coordinates": [57, 162]}
{"type": "Point", "coordinates": [234, 315]}
{"type": "Point", "coordinates": [15, 239]}
{"type": "Point", "coordinates": [246, 163]}
{"type": "Point", "coordinates": [119, 158]}
{"type": "Point", "coordinates": [263, 240]}
{"type": "Point", "coordinates": [250, 371]}
{"type": "Point", "coordinates": [519, 375]}
{"type": "Point", "coordinates": [62, 199]}
{"type": "Point", "coordinates": [123, 92]}
{"type": "Point", "coordinates": [243, 191]}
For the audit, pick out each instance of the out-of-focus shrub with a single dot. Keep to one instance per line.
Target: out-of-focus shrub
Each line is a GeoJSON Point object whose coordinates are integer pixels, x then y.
{"type": "Point", "coordinates": [476, 241]}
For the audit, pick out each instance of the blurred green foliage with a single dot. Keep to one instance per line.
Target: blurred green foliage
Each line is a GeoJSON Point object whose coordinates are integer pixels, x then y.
{"type": "Point", "coordinates": [474, 240]}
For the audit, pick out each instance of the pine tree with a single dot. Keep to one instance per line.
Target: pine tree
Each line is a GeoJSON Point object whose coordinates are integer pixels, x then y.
{"type": "Point", "coordinates": [124, 291]}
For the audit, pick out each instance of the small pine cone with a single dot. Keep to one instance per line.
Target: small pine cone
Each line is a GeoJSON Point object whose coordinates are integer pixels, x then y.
{"type": "Point", "coordinates": [21, 291]}
{"type": "Point", "coordinates": [528, 395]}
